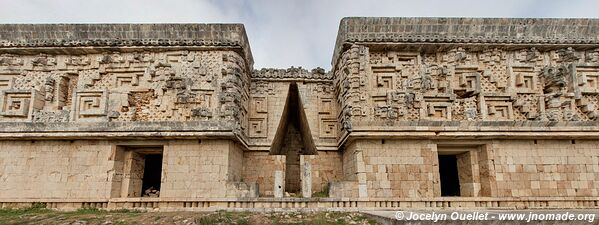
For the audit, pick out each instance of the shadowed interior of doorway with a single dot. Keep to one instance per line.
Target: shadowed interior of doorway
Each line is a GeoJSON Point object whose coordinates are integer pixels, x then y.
{"type": "Point", "coordinates": [292, 139]}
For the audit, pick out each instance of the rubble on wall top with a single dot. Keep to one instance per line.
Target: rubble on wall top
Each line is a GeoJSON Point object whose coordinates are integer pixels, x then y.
{"type": "Point", "coordinates": [292, 72]}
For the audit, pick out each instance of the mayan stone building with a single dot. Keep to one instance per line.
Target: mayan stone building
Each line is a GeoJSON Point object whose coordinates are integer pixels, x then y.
{"type": "Point", "coordinates": [415, 113]}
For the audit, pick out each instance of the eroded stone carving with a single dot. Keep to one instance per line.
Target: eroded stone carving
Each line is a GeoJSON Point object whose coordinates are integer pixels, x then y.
{"type": "Point", "coordinates": [136, 86]}
{"type": "Point", "coordinates": [466, 84]}
{"type": "Point", "coordinates": [20, 105]}
{"type": "Point", "coordinates": [291, 73]}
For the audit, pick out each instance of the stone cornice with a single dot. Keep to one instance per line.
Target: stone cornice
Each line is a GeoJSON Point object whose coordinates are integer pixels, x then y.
{"type": "Point", "coordinates": [100, 130]}
{"type": "Point", "coordinates": [502, 31]}
{"type": "Point", "coordinates": [124, 35]}
{"type": "Point", "coordinates": [475, 130]}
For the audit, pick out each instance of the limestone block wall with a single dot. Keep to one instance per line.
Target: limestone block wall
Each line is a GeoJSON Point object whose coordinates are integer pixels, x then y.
{"type": "Point", "coordinates": [350, 162]}
{"type": "Point", "coordinates": [56, 169]}
{"type": "Point", "coordinates": [92, 170]}
{"type": "Point", "coordinates": [326, 167]}
{"type": "Point", "coordinates": [397, 168]}
{"type": "Point", "coordinates": [499, 168]}
{"type": "Point", "coordinates": [349, 186]}
{"type": "Point", "coordinates": [292, 147]}
{"type": "Point", "coordinates": [546, 167]}
{"type": "Point", "coordinates": [235, 163]}
{"type": "Point", "coordinates": [200, 170]}
{"type": "Point", "coordinates": [469, 174]}
{"type": "Point", "coordinates": [260, 167]}
{"type": "Point", "coordinates": [389, 168]}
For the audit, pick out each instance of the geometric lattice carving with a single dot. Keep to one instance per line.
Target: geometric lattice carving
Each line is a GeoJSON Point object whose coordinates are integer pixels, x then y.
{"type": "Point", "coordinates": [141, 86]}
{"type": "Point", "coordinates": [588, 79]}
{"type": "Point", "coordinates": [385, 80]}
{"type": "Point", "coordinates": [259, 105]}
{"type": "Point", "coordinates": [328, 128]}
{"type": "Point", "coordinates": [127, 80]}
{"type": "Point", "coordinates": [326, 106]}
{"type": "Point", "coordinates": [6, 82]}
{"type": "Point", "coordinates": [90, 106]}
{"type": "Point", "coordinates": [328, 122]}
{"type": "Point", "coordinates": [497, 107]}
{"type": "Point", "coordinates": [438, 107]}
{"type": "Point", "coordinates": [467, 81]}
{"type": "Point", "coordinates": [500, 111]}
{"type": "Point", "coordinates": [525, 79]}
{"type": "Point", "coordinates": [19, 105]}
{"type": "Point", "coordinates": [439, 111]}
{"type": "Point", "coordinates": [258, 127]}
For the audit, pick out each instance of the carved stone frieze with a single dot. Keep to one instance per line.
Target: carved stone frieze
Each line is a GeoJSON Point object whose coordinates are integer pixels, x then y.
{"type": "Point", "coordinates": [136, 86]}
{"type": "Point", "coordinates": [462, 84]}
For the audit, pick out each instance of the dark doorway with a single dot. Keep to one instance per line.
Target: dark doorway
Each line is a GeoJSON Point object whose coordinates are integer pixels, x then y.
{"type": "Point", "coordinates": [293, 146]}
{"type": "Point", "coordinates": [448, 172]}
{"type": "Point", "coordinates": [293, 139]}
{"type": "Point", "coordinates": [152, 175]}
{"type": "Point", "coordinates": [140, 170]}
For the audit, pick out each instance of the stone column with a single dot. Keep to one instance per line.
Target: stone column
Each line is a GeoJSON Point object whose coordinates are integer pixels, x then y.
{"type": "Point", "coordinates": [486, 162]}
{"type": "Point", "coordinates": [279, 188]}
{"type": "Point", "coordinates": [361, 173]}
{"type": "Point", "coordinates": [468, 174]}
{"type": "Point", "coordinates": [306, 176]}
{"type": "Point", "coordinates": [436, 176]}
{"type": "Point", "coordinates": [133, 175]}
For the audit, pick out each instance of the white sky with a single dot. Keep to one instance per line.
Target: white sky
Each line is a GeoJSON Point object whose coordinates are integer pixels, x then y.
{"type": "Point", "coordinates": [282, 33]}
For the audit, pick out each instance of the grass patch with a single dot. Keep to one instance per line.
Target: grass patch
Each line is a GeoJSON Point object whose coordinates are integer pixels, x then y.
{"type": "Point", "coordinates": [84, 211]}
{"type": "Point", "coordinates": [122, 223]}
{"type": "Point", "coordinates": [224, 217]}
{"type": "Point", "coordinates": [41, 215]}
{"type": "Point", "coordinates": [125, 211]}
{"type": "Point", "coordinates": [40, 208]}
{"type": "Point", "coordinates": [322, 218]}
{"type": "Point", "coordinates": [36, 207]}
{"type": "Point", "coordinates": [324, 193]}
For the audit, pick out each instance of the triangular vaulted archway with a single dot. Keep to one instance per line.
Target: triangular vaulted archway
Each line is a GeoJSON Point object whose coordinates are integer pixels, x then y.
{"type": "Point", "coordinates": [293, 138]}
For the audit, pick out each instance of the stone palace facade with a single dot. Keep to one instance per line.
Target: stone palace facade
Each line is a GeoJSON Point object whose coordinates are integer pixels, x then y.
{"type": "Point", "coordinates": [415, 113]}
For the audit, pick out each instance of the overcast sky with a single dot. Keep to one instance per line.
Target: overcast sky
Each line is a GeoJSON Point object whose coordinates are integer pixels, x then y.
{"type": "Point", "coordinates": [282, 33]}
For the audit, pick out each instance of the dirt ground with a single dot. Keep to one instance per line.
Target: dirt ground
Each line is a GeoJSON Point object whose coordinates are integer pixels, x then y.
{"type": "Point", "coordinates": [121, 217]}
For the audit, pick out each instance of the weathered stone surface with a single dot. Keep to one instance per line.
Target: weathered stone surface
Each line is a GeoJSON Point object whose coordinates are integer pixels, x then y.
{"type": "Point", "coordinates": [484, 31]}
{"type": "Point", "coordinates": [279, 189]}
{"type": "Point", "coordinates": [306, 177]}
{"type": "Point", "coordinates": [115, 36]}
{"type": "Point", "coordinates": [514, 100]}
